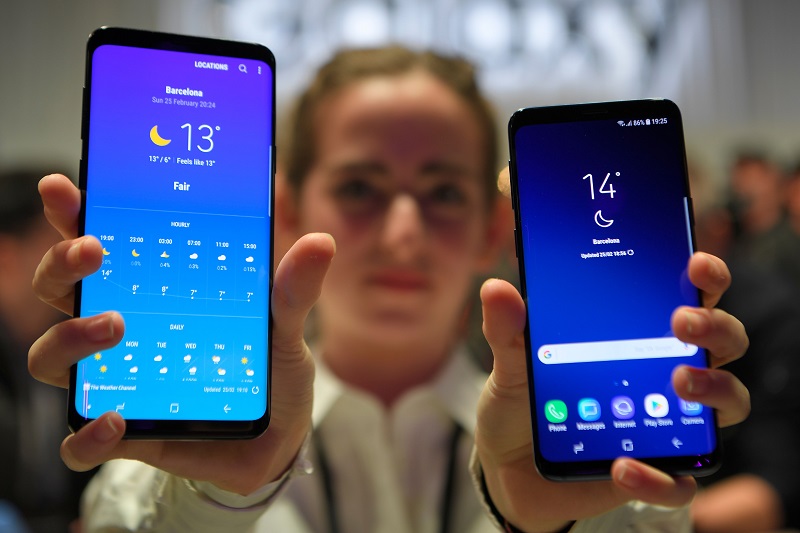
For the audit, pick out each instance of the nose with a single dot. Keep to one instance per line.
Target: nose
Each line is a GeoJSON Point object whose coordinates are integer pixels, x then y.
{"type": "Point", "coordinates": [403, 235]}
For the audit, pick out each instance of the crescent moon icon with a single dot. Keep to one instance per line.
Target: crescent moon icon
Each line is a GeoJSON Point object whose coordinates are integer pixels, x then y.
{"type": "Point", "coordinates": [600, 221]}
{"type": "Point", "coordinates": [158, 139]}
{"type": "Point", "coordinates": [134, 253]}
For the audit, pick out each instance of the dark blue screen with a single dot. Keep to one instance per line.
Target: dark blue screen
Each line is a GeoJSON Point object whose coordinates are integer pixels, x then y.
{"type": "Point", "coordinates": [605, 239]}
{"type": "Point", "coordinates": [178, 193]}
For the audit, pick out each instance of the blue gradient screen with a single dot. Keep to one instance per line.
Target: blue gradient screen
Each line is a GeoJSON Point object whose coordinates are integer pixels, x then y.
{"type": "Point", "coordinates": [178, 193]}
{"type": "Point", "coordinates": [605, 236]}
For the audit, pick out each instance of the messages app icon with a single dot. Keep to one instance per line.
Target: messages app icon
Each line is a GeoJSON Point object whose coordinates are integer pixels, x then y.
{"type": "Point", "coordinates": [589, 409]}
{"type": "Point", "coordinates": [555, 411]}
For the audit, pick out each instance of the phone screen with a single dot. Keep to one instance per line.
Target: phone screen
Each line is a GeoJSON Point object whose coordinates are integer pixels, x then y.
{"type": "Point", "coordinates": [604, 230]}
{"type": "Point", "coordinates": [177, 170]}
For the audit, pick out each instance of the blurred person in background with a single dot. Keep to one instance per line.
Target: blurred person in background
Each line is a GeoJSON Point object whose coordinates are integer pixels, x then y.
{"type": "Point", "coordinates": [793, 198]}
{"type": "Point", "coordinates": [35, 486]}
{"type": "Point", "coordinates": [757, 489]}
{"type": "Point", "coordinates": [759, 207]}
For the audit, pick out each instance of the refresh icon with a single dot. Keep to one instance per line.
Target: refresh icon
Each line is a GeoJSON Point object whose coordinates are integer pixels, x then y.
{"type": "Point", "coordinates": [600, 221]}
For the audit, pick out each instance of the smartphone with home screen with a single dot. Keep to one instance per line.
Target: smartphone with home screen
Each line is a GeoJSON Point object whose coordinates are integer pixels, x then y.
{"type": "Point", "coordinates": [177, 179]}
{"type": "Point", "coordinates": [604, 233]}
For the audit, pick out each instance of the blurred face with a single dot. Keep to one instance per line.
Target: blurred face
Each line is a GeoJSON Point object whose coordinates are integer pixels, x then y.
{"type": "Point", "coordinates": [397, 181]}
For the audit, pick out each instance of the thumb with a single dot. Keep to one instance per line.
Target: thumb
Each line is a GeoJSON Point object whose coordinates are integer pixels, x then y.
{"type": "Point", "coordinates": [297, 285]}
{"type": "Point", "coordinates": [504, 328]}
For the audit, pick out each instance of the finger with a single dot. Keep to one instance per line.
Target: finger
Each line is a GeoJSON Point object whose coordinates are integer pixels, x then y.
{"type": "Point", "coordinates": [64, 265]}
{"type": "Point", "coordinates": [96, 443]}
{"type": "Point", "coordinates": [503, 326]}
{"type": "Point", "coordinates": [62, 204]}
{"type": "Point", "coordinates": [504, 183]}
{"type": "Point", "coordinates": [504, 431]}
{"type": "Point", "coordinates": [51, 355]}
{"type": "Point", "coordinates": [710, 274]}
{"type": "Point", "coordinates": [715, 388]}
{"type": "Point", "coordinates": [714, 329]}
{"type": "Point", "coordinates": [637, 481]}
{"type": "Point", "coordinates": [297, 285]}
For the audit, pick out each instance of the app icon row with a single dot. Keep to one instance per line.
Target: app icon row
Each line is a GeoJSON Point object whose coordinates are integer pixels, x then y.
{"type": "Point", "coordinates": [622, 407]}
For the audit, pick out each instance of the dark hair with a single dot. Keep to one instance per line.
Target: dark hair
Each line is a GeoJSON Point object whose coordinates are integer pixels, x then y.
{"type": "Point", "coordinates": [350, 66]}
{"type": "Point", "coordinates": [20, 203]}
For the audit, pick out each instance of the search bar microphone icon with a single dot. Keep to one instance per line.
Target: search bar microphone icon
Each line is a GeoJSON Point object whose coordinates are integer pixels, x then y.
{"type": "Point", "coordinates": [242, 68]}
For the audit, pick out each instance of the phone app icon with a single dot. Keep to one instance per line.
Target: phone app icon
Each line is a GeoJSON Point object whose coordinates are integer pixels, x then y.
{"type": "Point", "coordinates": [589, 409]}
{"type": "Point", "coordinates": [656, 405]}
{"type": "Point", "coordinates": [690, 408]}
{"type": "Point", "coordinates": [623, 407]}
{"type": "Point", "coordinates": [555, 411]}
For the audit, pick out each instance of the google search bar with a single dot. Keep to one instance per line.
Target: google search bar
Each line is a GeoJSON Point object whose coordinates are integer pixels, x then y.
{"type": "Point", "coordinates": [592, 352]}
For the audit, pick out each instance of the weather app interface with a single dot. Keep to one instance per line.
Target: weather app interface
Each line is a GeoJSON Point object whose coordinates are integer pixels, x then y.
{"type": "Point", "coordinates": [178, 193]}
{"type": "Point", "coordinates": [606, 239]}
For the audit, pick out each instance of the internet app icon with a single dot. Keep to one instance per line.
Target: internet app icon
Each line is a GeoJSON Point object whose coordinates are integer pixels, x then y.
{"type": "Point", "coordinates": [656, 405]}
{"type": "Point", "coordinates": [623, 407]}
{"type": "Point", "coordinates": [589, 409]}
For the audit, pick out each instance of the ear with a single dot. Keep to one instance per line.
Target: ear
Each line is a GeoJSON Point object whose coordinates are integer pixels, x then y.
{"type": "Point", "coordinates": [499, 237]}
{"type": "Point", "coordinates": [287, 216]}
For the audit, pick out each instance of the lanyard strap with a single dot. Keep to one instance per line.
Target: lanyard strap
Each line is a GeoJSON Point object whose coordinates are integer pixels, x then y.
{"type": "Point", "coordinates": [447, 503]}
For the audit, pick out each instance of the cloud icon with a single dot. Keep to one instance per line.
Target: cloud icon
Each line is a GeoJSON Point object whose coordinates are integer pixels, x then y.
{"type": "Point", "coordinates": [157, 358]}
{"type": "Point", "coordinates": [221, 372]}
{"type": "Point", "coordinates": [216, 359]}
{"type": "Point", "coordinates": [249, 372]}
{"type": "Point", "coordinates": [163, 370]}
{"type": "Point", "coordinates": [222, 257]}
{"type": "Point", "coordinates": [250, 259]}
{"type": "Point", "coordinates": [193, 256]}
{"type": "Point", "coordinates": [128, 357]}
{"type": "Point", "coordinates": [187, 358]}
{"type": "Point", "coordinates": [134, 369]}
{"type": "Point", "coordinates": [193, 370]}
{"type": "Point", "coordinates": [164, 254]}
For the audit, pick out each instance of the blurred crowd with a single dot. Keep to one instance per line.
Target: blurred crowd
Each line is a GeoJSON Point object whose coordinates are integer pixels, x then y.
{"type": "Point", "coordinates": [752, 221]}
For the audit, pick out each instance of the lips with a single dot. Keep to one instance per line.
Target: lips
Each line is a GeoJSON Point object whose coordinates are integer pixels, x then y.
{"type": "Point", "coordinates": [399, 280]}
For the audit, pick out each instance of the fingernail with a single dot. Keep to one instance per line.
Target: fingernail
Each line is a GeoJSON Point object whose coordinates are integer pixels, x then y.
{"type": "Point", "coordinates": [696, 382]}
{"type": "Point", "coordinates": [628, 477]}
{"type": "Point", "coordinates": [74, 253]}
{"type": "Point", "coordinates": [696, 322]}
{"type": "Point", "coordinates": [106, 430]}
{"type": "Point", "coordinates": [713, 269]}
{"type": "Point", "coordinates": [100, 329]}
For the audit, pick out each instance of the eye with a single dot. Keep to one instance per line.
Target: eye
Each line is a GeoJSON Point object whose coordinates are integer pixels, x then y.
{"type": "Point", "coordinates": [448, 194]}
{"type": "Point", "coordinates": [355, 189]}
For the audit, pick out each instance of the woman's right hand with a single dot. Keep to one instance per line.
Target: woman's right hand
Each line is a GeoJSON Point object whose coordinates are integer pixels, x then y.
{"type": "Point", "coordinates": [238, 466]}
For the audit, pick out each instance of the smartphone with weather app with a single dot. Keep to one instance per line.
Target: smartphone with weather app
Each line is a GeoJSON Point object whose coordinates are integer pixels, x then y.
{"type": "Point", "coordinates": [604, 233]}
{"type": "Point", "coordinates": [177, 174]}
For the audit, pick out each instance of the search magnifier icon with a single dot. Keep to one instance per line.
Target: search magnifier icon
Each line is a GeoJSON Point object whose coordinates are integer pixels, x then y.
{"type": "Point", "coordinates": [243, 68]}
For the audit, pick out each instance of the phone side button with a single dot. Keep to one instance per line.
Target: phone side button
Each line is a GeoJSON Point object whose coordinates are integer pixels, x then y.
{"type": "Point", "coordinates": [85, 114]}
{"type": "Point", "coordinates": [516, 244]}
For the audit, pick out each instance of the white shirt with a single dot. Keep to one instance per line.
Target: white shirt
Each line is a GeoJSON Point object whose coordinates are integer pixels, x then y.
{"type": "Point", "coordinates": [388, 471]}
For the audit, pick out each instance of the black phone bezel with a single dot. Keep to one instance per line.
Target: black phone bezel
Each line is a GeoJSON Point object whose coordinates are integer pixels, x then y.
{"type": "Point", "coordinates": [695, 465]}
{"type": "Point", "coordinates": [177, 429]}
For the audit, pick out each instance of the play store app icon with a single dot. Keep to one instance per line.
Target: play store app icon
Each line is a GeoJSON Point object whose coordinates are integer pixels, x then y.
{"type": "Point", "coordinates": [656, 405]}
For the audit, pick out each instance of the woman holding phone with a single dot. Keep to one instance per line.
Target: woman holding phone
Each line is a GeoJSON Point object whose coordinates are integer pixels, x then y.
{"type": "Point", "coordinates": [392, 157]}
